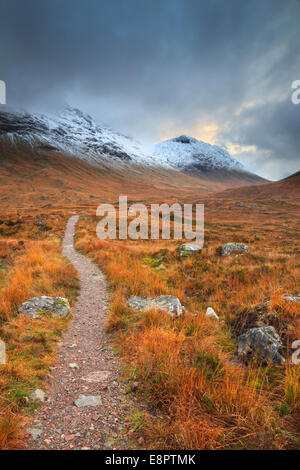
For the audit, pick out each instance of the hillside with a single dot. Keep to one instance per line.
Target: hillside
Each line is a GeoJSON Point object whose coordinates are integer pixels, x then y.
{"type": "Point", "coordinates": [288, 188]}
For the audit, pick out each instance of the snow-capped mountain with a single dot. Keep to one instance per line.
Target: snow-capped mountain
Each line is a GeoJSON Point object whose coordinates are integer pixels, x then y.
{"type": "Point", "coordinates": [75, 134]}
{"type": "Point", "coordinates": [186, 152]}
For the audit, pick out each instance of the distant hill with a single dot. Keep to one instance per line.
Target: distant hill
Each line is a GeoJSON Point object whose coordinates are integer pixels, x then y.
{"type": "Point", "coordinates": [287, 188]}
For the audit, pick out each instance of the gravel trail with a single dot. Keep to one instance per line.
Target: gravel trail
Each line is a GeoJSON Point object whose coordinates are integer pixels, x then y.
{"type": "Point", "coordinates": [59, 423]}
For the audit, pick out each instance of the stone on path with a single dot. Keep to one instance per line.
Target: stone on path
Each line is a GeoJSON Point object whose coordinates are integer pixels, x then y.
{"type": "Point", "coordinates": [38, 395]}
{"type": "Point", "coordinates": [35, 433]}
{"type": "Point", "coordinates": [37, 307]}
{"type": "Point", "coordinates": [88, 400]}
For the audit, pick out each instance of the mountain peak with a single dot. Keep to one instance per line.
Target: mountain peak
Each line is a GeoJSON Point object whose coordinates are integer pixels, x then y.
{"type": "Point", "coordinates": [185, 151]}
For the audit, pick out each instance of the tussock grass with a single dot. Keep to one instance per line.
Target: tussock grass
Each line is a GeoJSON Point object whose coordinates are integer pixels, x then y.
{"type": "Point", "coordinates": [185, 368]}
{"type": "Point", "coordinates": [32, 266]}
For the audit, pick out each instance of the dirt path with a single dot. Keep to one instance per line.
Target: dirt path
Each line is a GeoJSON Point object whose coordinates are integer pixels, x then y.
{"type": "Point", "coordinates": [59, 423]}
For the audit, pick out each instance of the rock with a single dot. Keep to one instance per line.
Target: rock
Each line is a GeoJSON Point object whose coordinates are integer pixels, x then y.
{"type": "Point", "coordinates": [49, 306]}
{"type": "Point", "coordinates": [188, 248]}
{"type": "Point", "coordinates": [264, 342]}
{"type": "Point", "coordinates": [219, 203]}
{"type": "Point", "coordinates": [35, 433]}
{"type": "Point", "coordinates": [73, 365]}
{"type": "Point", "coordinates": [88, 400]}
{"type": "Point", "coordinates": [97, 377]}
{"type": "Point", "coordinates": [210, 313]}
{"type": "Point", "coordinates": [292, 298]}
{"type": "Point", "coordinates": [229, 248]}
{"type": "Point", "coordinates": [167, 303]}
{"type": "Point", "coordinates": [241, 204]}
{"type": "Point", "coordinates": [38, 396]}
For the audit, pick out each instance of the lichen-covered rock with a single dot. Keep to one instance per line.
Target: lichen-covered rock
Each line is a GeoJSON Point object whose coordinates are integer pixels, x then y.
{"type": "Point", "coordinates": [167, 303]}
{"type": "Point", "coordinates": [230, 248]}
{"type": "Point", "coordinates": [188, 249]}
{"type": "Point", "coordinates": [49, 306]}
{"type": "Point", "coordinates": [210, 313]}
{"type": "Point", "coordinates": [263, 342]}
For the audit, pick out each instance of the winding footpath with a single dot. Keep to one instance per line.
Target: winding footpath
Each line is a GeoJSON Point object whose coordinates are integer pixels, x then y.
{"type": "Point", "coordinates": [96, 421]}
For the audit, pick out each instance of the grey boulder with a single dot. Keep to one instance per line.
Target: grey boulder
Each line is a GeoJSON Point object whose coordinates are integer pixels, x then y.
{"type": "Point", "coordinates": [188, 249]}
{"type": "Point", "coordinates": [37, 307]}
{"type": "Point", "coordinates": [229, 248]}
{"type": "Point", "coordinates": [167, 303]}
{"type": "Point", "coordinates": [263, 342]}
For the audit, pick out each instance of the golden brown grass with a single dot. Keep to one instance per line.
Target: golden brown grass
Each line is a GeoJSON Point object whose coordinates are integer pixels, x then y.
{"type": "Point", "coordinates": [32, 265]}
{"type": "Point", "coordinates": [202, 399]}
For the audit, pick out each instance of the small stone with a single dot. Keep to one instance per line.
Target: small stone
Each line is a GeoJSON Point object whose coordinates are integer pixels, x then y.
{"type": "Point", "coordinates": [141, 440]}
{"type": "Point", "coordinates": [73, 365]}
{"type": "Point", "coordinates": [35, 433]}
{"type": "Point", "coordinates": [88, 400]}
{"type": "Point", "coordinates": [37, 396]}
{"type": "Point", "coordinates": [210, 313]}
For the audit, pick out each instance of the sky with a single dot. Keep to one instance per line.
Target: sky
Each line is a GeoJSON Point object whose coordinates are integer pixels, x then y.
{"type": "Point", "coordinates": [217, 70]}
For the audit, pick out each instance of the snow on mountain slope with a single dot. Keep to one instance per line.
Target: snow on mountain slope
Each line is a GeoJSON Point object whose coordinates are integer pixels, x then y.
{"type": "Point", "coordinates": [186, 152]}
{"type": "Point", "coordinates": [76, 134]}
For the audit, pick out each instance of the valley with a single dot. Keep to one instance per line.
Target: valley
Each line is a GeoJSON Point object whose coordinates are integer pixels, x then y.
{"type": "Point", "coordinates": [181, 380]}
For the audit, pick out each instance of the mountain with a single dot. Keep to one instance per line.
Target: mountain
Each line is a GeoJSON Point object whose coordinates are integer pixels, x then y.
{"type": "Point", "coordinates": [192, 156]}
{"type": "Point", "coordinates": [68, 157]}
{"type": "Point", "coordinates": [75, 134]}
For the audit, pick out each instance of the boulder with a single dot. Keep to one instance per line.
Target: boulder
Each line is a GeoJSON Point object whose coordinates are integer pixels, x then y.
{"type": "Point", "coordinates": [167, 303]}
{"type": "Point", "coordinates": [188, 248]}
{"type": "Point", "coordinates": [37, 396]}
{"type": "Point", "coordinates": [210, 313]}
{"type": "Point", "coordinates": [263, 342]}
{"type": "Point", "coordinates": [37, 307]}
{"type": "Point", "coordinates": [229, 248]}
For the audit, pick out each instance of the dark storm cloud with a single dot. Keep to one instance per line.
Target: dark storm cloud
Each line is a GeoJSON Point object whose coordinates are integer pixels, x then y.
{"type": "Point", "coordinates": [153, 67]}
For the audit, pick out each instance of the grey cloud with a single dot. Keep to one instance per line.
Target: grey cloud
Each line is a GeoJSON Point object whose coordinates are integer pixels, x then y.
{"type": "Point", "coordinates": [139, 64]}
